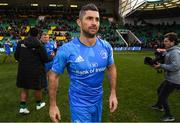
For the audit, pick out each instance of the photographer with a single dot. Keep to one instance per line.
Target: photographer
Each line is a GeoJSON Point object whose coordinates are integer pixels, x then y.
{"type": "Point", "coordinates": [171, 66]}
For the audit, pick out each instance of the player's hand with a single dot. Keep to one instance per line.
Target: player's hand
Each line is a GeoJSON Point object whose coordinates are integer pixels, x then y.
{"type": "Point", "coordinates": [113, 103]}
{"type": "Point", "coordinates": [157, 65]}
{"type": "Point", "coordinates": [52, 54]}
{"type": "Point", "coordinates": [54, 113]}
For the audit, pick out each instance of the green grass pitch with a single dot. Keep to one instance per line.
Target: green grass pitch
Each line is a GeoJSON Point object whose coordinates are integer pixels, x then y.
{"type": "Point", "coordinates": [136, 92]}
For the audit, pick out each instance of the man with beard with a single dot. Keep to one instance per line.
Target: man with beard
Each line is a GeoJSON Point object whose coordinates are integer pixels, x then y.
{"type": "Point", "coordinates": [86, 59]}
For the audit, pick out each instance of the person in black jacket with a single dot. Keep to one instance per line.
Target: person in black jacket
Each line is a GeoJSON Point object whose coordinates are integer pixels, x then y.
{"type": "Point", "coordinates": [31, 56]}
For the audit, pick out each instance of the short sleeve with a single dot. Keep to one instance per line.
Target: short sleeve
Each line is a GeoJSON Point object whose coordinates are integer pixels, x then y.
{"type": "Point", "coordinates": [110, 55]}
{"type": "Point", "coordinates": [60, 61]}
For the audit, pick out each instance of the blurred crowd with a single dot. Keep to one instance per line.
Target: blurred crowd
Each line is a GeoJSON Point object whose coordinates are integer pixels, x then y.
{"type": "Point", "coordinates": [16, 27]}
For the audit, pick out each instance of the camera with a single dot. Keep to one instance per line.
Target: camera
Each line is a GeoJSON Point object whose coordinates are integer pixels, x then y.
{"type": "Point", "coordinates": [159, 57]}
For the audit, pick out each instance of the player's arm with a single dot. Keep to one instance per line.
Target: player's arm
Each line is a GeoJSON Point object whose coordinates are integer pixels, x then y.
{"type": "Point", "coordinates": [17, 52]}
{"type": "Point", "coordinates": [174, 64]}
{"type": "Point", "coordinates": [112, 78]}
{"type": "Point", "coordinates": [43, 54]}
{"type": "Point", "coordinates": [53, 85]}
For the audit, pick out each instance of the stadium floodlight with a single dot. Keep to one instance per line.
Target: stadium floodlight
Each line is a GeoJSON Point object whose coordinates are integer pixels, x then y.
{"type": "Point", "coordinates": [3, 4]}
{"type": "Point", "coordinates": [52, 5]}
{"type": "Point", "coordinates": [34, 4]}
{"type": "Point", "coordinates": [60, 5]}
{"type": "Point", "coordinates": [73, 6]}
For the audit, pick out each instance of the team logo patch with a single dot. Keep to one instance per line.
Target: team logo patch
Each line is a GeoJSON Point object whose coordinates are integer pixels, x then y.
{"type": "Point", "coordinates": [103, 54]}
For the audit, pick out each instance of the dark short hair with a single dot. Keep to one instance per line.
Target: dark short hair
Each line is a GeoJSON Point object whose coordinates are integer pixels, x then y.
{"type": "Point", "coordinates": [44, 33]}
{"type": "Point", "coordinates": [172, 36]}
{"type": "Point", "coordinates": [87, 7]}
{"type": "Point", "coordinates": [34, 32]}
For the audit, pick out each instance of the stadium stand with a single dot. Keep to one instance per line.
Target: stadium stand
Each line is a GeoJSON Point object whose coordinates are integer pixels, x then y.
{"type": "Point", "coordinates": [143, 31]}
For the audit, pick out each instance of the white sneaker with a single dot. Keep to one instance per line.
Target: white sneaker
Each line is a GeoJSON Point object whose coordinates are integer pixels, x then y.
{"type": "Point", "coordinates": [24, 111]}
{"type": "Point", "coordinates": [40, 105]}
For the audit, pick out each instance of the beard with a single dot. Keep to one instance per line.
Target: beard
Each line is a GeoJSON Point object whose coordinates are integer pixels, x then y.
{"type": "Point", "coordinates": [87, 34]}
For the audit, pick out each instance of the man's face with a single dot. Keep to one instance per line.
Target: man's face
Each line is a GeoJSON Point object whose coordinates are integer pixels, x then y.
{"type": "Point", "coordinates": [45, 38]}
{"type": "Point", "coordinates": [89, 23]}
{"type": "Point", "coordinates": [168, 44]}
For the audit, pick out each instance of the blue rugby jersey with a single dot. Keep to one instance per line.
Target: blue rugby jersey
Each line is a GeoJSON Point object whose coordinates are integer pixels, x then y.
{"type": "Point", "coordinates": [85, 66]}
{"type": "Point", "coordinates": [49, 46]}
{"type": "Point", "coordinates": [7, 48]}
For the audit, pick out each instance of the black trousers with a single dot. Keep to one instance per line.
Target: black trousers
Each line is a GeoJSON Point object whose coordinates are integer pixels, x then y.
{"type": "Point", "coordinates": [164, 90]}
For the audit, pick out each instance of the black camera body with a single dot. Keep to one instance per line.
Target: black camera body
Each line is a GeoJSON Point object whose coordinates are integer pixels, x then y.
{"type": "Point", "coordinates": [159, 57]}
